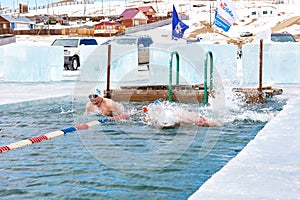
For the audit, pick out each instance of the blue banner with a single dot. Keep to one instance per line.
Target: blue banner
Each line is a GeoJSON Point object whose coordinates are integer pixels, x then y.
{"type": "Point", "coordinates": [225, 14]}
{"type": "Point", "coordinates": [178, 27]}
{"type": "Point", "coordinates": [221, 23]}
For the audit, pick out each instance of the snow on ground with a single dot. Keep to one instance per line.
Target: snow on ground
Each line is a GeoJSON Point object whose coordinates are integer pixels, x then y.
{"type": "Point", "coordinates": [196, 15]}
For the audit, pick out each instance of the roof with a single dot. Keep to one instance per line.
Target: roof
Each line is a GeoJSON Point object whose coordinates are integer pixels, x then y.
{"type": "Point", "coordinates": [146, 9]}
{"type": "Point", "coordinates": [129, 13]}
{"type": "Point", "coordinates": [21, 19]}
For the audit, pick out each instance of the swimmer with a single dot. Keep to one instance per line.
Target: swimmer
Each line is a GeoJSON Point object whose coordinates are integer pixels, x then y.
{"type": "Point", "coordinates": [164, 117]}
{"type": "Point", "coordinates": [104, 106]}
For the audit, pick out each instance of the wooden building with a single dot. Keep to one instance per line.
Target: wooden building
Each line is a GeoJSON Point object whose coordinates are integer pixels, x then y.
{"type": "Point", "coordinates": [23, 7]}
{"type": "Point", "coordinates": [16, 22]}
{"type": "Point", "coordinates": [108, 28]}
{"type": "Point", "coordinates": [133, 17]}
{"type": "Point", "coordinates": [149, 12]}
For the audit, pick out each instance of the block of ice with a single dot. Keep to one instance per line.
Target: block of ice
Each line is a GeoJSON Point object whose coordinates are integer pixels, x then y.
{"type": "Point", "coordinates": [280, 63]}
{"type": "Point", "coordinates": [124, 62]}
{"type": "Point", "coordinates": [24, 63]}
{"type": "Point", "coordinates": [93, 61]}
{"type": "Point", "coordinates": [225, 60]}
{"type": "Point", "coordinates": [190, 66]}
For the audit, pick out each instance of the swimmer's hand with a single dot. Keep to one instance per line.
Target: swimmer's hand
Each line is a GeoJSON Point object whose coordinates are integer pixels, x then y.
{"type": "Point", "coordinates": [207, 122]}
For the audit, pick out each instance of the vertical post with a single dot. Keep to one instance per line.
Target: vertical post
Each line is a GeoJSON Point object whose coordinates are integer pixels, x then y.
{"type": "Point", "coordinates": [260, 65]}
{"type": "Point", "coordinates": [108, 95]}
{"type": "Point", "coordinates": [170, 74]}
{"type": "Point", "coordinates": [177, 68]}
{"type": "Point", "coordinates": [211, 66]}
{"type": "Point", "coordinates": [210, 14]}
{"type": "Point", "coordinates": [205, 97]}
{"type": "Point", "coordinates": [210, 56]}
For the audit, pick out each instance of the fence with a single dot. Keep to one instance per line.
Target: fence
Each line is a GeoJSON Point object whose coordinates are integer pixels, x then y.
{"type": "Point", "coordinates": [149, 26]}
{"type": "Point", "coordinates": [44, 29]}
{"type": "Point", "coordinates": [9, 11]}
{"type": "Point", "coordinates": [7, 39]}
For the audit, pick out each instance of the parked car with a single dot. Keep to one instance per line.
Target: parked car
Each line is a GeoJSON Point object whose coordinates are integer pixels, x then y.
{"type": "Point", "coordinates": [143, 42]}
{"type": "Point", "coordinates": [246, 34]}
{"type": "Point", "coordinates": [282, 37]}
{"type": "Point", "coordinates": [71, 50]}
{"type": "Point", "coordinates": [193, 40]}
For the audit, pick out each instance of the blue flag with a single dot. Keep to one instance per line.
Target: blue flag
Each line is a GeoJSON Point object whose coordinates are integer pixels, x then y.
{"type": "Point", "coordinates": [225, 14]}
{"type": "Point", "coordinates": [178, 27]}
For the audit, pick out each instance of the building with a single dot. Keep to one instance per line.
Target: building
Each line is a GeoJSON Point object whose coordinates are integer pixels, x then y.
{"type": "Point", "coordinates": [23, 8]}
{"type": "Point", "coordinates": [16, 22]}
{"type": "Point", "coordinates": [149, 12]}
{"type": "Point", "coordinates": [133, 17]}
{"type": "Point", "coordinates": [257, 11]}
{"type": "Point", "coordinates": [108, 28]}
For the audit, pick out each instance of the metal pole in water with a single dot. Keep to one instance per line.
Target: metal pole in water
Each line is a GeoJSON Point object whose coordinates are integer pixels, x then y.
{"type": "Point", "coordinates": [108, 95]}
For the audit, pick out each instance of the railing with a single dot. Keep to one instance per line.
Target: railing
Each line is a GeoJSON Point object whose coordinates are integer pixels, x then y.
{"type": "Point", "coordinates": [209, 57]}
{"type": "Point", "coordinates": [170, 74]}
{"type": "Point", "coordinates": [7, 39]}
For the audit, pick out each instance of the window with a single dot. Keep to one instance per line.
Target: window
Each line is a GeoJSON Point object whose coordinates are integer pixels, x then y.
{"type": "Point", "coordinates": [88, 42]}
{"type": "Point", "coordinates": [282, 37]}
{"type": "Point", "coordinates": [66, 42]}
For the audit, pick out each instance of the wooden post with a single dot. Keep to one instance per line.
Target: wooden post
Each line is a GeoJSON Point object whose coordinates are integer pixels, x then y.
{"type": "Point", "coordinates": [108, 72]}
{"type": "Point", "coordinates": [260, 65]}
{"type": "Point", "coordinates": [261, 99]}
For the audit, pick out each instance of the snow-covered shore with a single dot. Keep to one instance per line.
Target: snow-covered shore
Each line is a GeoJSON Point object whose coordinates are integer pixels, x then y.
{"type": "Point", "coordinates": [197, 15]}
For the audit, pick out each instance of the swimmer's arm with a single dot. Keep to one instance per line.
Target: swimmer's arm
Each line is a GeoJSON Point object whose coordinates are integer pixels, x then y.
{"type": "Point", "coordinates": [207, 122]}
{"type": "Point", "coordinates": [89, 108]}
{"type": "Point", "coordinates": [117, 111]}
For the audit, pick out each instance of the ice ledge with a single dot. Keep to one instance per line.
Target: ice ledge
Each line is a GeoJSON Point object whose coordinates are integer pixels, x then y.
{"type": "Point", "coordinates": [267, 168]}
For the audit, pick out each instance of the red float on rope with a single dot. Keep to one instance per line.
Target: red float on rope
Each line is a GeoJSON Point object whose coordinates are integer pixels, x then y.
{"type": "Point", "coordinates": [38, 139]}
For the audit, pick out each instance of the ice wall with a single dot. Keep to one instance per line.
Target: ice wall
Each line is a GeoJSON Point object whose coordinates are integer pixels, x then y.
{"type": "Point", "coordinates": [225, 60]}
{"type": "Point", "coordinates": [191, 63]}
{"type": "Point", "coordinates": [23, 63]}
{"type": "Point", "coordinates": [281, 63]}
{"type": "Point", "coordinates": [124, 63]}
{"type": "Point", "coordinates": [93, 61]}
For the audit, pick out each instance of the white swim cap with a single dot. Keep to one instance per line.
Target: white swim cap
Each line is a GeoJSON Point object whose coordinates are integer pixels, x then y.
{"type": "Point", "coordinates": [98, 92]}
{"type": "Point", "coordinates": [168, 119]}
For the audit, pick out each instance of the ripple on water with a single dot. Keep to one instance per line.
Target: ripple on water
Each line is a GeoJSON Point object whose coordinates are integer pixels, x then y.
{"type": "Point", "coordinates": [116, 160]}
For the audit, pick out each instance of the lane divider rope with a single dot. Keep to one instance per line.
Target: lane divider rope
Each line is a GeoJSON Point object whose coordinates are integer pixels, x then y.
{"type": "Point", "coordinates": [55, 134]}
{"type": "Point", "coordinates": [64, 131]}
